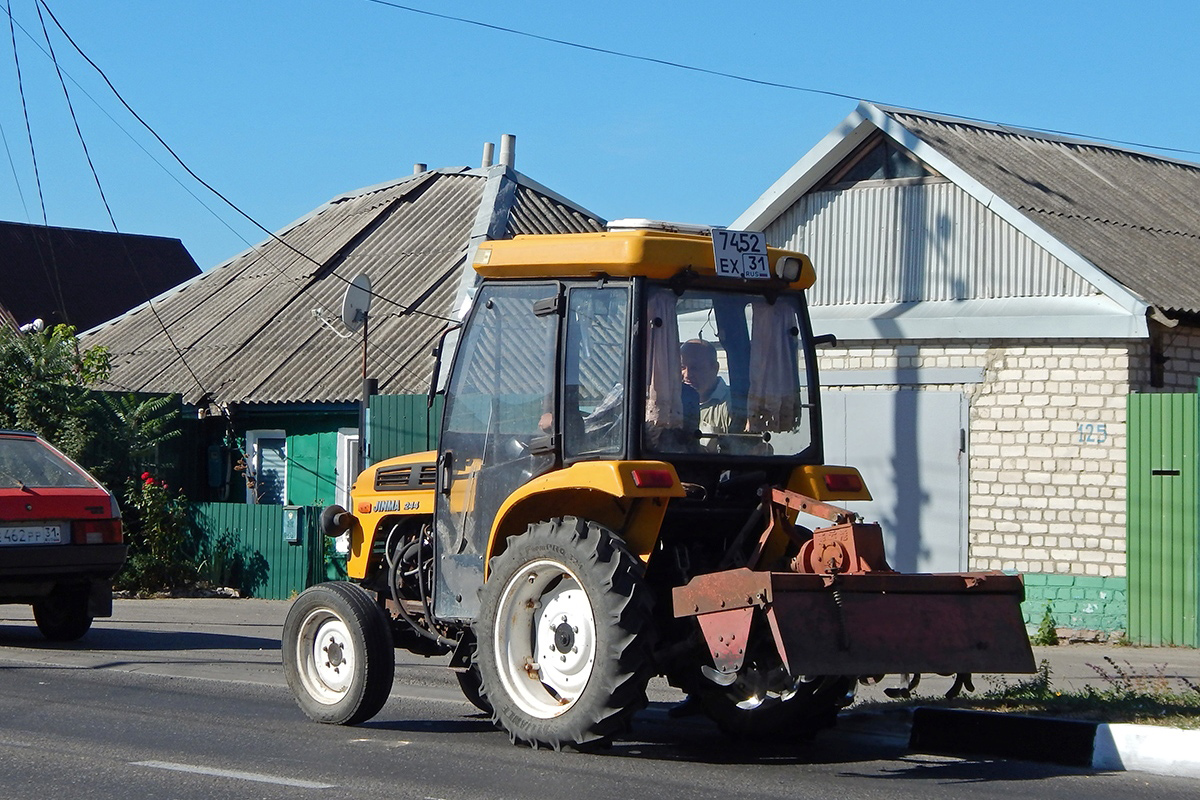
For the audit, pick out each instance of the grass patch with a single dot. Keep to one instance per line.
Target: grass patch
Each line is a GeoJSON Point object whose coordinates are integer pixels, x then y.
{"type": "Point", "coordinates": [1127, 696]}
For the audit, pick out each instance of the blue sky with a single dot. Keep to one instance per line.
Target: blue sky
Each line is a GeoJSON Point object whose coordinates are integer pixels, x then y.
{"type": "Point", "coordinates": [282, 105]}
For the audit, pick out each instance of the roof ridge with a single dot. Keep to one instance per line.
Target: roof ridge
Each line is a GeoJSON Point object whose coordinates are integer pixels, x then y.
{"type": "Point", "coordinates": [1072, 140]}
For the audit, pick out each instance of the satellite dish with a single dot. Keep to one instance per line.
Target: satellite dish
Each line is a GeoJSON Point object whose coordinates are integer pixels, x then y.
{"type": "Point", "coordinates": [356, 302]}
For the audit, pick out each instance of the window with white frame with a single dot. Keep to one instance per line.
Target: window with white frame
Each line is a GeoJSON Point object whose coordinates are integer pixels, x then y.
{"type": "Point", "coordinates": [266, 452]}
{"type": "Point", "coordinates": [347, 471]}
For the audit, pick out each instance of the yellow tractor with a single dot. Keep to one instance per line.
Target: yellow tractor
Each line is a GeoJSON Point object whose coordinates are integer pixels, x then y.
{"type": "Point", "coordinates": [630, 449]}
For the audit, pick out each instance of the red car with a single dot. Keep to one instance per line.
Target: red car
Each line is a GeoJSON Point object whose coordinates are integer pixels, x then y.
{"type": "Point", "coordinates": [60, 537]}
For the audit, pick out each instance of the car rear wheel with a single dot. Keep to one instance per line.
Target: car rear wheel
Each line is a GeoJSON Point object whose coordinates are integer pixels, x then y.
{"type": "Point", "coordinates": [63, 615]}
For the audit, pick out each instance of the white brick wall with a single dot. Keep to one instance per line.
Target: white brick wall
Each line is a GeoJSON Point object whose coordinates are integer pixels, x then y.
{"type": "Point", "coordinates": [1047, 446]}
{"type": "Point", "coordinates": [1181, 347]}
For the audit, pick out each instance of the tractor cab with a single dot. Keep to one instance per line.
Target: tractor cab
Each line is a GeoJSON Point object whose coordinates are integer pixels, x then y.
{"type": "Point", "coordinates": [637, 352]}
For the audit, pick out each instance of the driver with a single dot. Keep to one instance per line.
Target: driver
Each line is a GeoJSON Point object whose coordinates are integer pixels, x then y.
{"type": "Point", "coordinates": [698, 361]}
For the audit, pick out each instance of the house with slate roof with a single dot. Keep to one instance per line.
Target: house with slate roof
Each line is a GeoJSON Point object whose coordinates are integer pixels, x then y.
{"type": "Point", "coordinates": [997, 295]}
{"type": "Point", "coordinates": [256, 345]}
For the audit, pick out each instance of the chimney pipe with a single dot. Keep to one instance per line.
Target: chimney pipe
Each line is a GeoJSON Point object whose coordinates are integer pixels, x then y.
{"type": "Point", "coordinates": [489, 151]}
{"type": "Point", "coordinates": [508, 150]}
{"type": "Point", "coordinates": [419, 168]}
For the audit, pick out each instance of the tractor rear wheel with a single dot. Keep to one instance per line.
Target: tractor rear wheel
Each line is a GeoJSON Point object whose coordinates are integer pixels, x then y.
{"type": "Point", "coordinates": [564, 635]}
{"type": "Point", "coordinates": [337, 653]}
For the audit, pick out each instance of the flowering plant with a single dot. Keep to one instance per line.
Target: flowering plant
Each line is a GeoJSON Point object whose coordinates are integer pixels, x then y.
{"type": "Point", "coordinates": [158, 532]}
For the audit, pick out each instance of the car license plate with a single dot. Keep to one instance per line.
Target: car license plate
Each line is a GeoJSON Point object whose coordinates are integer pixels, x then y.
{"type": "Point", "coordinates": [30, 534]}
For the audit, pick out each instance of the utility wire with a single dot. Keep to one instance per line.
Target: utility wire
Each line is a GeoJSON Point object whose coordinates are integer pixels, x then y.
{"type": "Point", "coordinates": [104, 198]}
{"type": "Point", "coordinates": [261, 252]}
{"type": "Point", "coordinates": [620, 54]}
{"type": "Point", "coordinates": [13, 166]}
{"type": "Point", "coordinates": [208, 185]}
{"type": "Point", "coordinates": [746, 79]}
{"type": "Point", "coordinates": [51, 268]}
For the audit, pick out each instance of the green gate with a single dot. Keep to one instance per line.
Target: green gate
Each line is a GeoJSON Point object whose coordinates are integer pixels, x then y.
{"type": "Point", "coordinates": [1163, 525]}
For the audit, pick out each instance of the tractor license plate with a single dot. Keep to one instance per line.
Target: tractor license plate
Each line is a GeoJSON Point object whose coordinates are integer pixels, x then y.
{"type": "Point", "coordinates": [740, 254]}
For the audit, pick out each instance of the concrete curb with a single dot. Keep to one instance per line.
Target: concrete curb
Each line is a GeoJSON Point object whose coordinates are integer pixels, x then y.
{"type": "Point", "coordinates": [1103, 746]}
{"type": "Point", "coordinates": [1147, 748]}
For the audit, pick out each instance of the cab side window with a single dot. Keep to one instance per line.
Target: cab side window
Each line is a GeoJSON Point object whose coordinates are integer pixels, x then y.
{"type": "Point", "coordinates": [595, 371]}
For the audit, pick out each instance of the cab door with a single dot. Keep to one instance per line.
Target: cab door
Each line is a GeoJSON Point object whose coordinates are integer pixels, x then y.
{"type": "Point", "coordinates": [498, 429]}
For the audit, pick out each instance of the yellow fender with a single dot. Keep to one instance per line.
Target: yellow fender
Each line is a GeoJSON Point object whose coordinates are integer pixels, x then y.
{"type": "Point", "coordinates": [629, 497]}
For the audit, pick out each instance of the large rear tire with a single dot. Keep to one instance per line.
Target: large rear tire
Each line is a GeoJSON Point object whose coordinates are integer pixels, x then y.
{"type": "Point", "coordinates": [337, 653]}
{"type": "Point", "coordinates": [564, 635]}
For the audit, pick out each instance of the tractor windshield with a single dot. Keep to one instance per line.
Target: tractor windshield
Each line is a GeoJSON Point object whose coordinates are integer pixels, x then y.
{"type": "Point", "coordinates": [725, 374]}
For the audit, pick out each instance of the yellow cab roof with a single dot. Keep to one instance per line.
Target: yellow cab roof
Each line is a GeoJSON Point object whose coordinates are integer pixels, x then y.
{"type": "Point", "coordinates": [652, 254]}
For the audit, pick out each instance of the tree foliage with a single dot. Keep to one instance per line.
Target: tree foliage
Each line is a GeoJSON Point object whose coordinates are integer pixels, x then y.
{"type": "Point", "coordinates": [128, 432]}
{"type": "Point", "coordinates": [44, 382]}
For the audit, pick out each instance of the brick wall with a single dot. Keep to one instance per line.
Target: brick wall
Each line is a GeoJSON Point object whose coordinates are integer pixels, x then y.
{"type": "Point", "coordinates": [1181, 348]}
{"type": "Point", "coordinates": [1083, 608]}
{"type": "Point", "coordinates": [1047, 448]}
{"type": "Point", "coordinates": [1046, 445]}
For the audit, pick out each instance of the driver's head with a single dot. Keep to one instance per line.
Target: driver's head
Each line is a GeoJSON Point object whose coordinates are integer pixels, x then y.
{"type": "Point", "coordinates": [698, 360]}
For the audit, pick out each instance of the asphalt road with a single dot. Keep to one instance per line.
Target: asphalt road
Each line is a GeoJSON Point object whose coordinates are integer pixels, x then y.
{"type": "Point", "coordinates": [185, 699]}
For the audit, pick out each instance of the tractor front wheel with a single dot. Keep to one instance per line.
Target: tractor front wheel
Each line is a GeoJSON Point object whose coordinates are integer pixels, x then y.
{"type": "Point", "coordinates": [337, 653]}
{"type": "Point", "coordinates": [564, 635]}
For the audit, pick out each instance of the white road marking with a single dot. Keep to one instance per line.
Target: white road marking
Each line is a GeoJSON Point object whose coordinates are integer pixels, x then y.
{"type": "Point", "coordinates": [231, 773]}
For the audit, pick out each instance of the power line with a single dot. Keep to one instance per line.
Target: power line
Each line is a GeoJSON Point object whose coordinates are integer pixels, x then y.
{"type": "Point", "coordinates": [51, 268]}
{"type": "Point", "coordinates": [746, 79]}
{"type": "Point", "coordinates": [195, 176]}
{"type": "Point", "coordinates": [104, 198]}
{"type": "Point", "coordinates": [13, 166]}
{"type": "Point", "coordinates": [261, 253]}
{"type": "Point", "coordinates": [619, 53]}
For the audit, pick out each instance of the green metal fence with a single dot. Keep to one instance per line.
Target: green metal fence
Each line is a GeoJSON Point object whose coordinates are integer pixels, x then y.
{"type": "Point", "coordinates": [402, 423]}
{"type": "Point", "coordinates": [245, 548]}
{"type": "Point", "coordinates": [1163, 523]}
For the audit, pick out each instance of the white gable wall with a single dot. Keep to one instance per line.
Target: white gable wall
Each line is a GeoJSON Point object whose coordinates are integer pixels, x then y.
{"type": "Point", "coordinates": [919, 242]}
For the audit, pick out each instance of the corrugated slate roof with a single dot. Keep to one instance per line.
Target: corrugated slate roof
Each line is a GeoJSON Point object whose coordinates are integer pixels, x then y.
{"type": "Point", "coordinates": [1133, 215]}
{"type": "Point", "coordinates": [251, 329]}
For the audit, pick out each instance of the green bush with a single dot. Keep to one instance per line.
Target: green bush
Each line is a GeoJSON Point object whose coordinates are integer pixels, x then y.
{"type": "Point", "coordinates": [1047, 632]}
{"type": "Point", "coordinates": [159, 532]}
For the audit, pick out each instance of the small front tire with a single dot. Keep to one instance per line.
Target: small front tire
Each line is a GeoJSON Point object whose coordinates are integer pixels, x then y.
{"type": "Point", "coordinates": [337, 653]}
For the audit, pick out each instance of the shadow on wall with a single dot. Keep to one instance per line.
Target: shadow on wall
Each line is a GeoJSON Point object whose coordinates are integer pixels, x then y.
{"type": "Point", "coordinates": [230, 564]}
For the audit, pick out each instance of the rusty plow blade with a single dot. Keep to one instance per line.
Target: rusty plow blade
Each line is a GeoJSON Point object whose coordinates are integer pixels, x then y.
{"type": "Point", "coordinates": [864, 624]}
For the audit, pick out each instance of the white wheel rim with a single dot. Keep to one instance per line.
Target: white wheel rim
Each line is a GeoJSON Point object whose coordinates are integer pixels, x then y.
{"type": "Point", "coordinates": [545, 639]}
{"type": "Point", "coordinates": [325, 653]}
